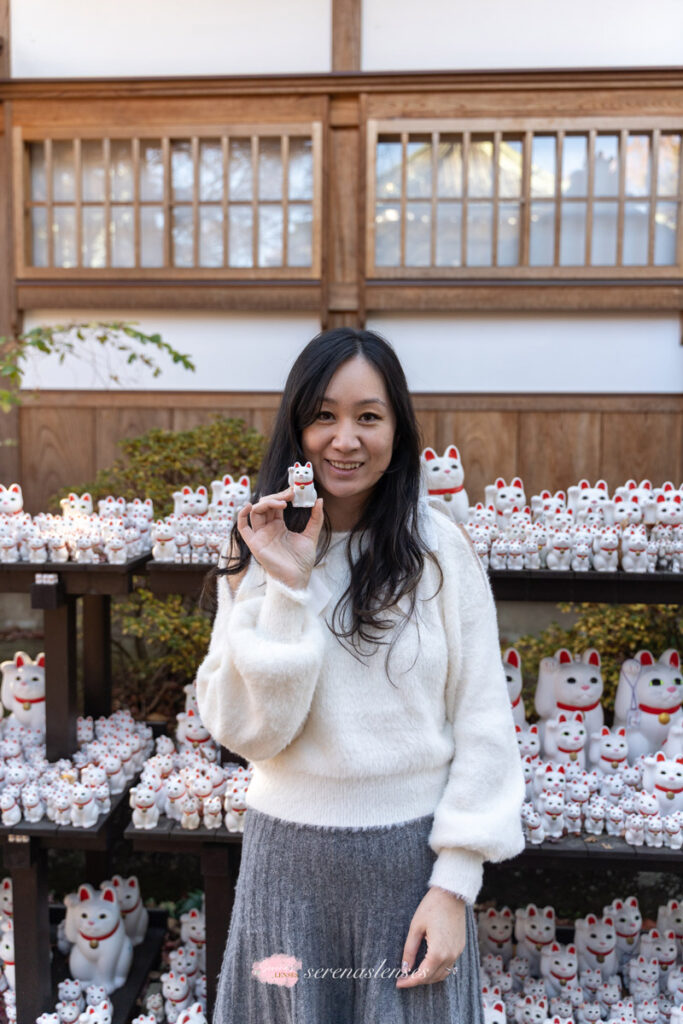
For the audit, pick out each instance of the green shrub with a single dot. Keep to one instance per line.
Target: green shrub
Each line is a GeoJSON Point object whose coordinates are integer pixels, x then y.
{"type": "Point", "coordinates": [158, 642]}
{"type": "Point", "coordinates": [617, 631]}
{"type": "Point", "coordinates": [160, 461]}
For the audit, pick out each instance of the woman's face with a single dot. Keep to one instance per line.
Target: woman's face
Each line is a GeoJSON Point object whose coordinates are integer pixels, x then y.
{"type": "Point", "coordinates": [350, 444]}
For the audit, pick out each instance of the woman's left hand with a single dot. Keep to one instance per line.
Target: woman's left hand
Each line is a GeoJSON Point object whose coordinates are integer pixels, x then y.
{"type": "Point", "coordinates": [440, 918]}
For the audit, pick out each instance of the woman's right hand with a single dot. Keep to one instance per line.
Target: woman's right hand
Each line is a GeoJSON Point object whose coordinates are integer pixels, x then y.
{"type": "Point", "coordinates": [286, 556]}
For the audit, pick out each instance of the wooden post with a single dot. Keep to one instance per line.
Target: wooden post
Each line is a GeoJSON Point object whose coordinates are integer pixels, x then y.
{"type": "Point", "coordinates": [96, 654]}
{"type": "Point", "coordinates": [4, 39]}
{"type": "Point", "coordinates": [346, 35]}
{"type": "Point", "coordinates": [60, 679]}
{"type": "Point", "coordinates": [220, 867]}
{"type": "Point", "coordinates": [26, 861]}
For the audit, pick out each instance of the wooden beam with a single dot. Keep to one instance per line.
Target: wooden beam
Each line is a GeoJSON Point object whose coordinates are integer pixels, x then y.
{"type": "Point", "coordinates": [4, 39]}
{"type": "Point", "coordinates": [346, 35]}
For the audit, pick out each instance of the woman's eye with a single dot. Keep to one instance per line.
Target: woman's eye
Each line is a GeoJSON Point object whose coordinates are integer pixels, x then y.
{"type": "Point", "coordinates": [323, 414]}
{"type": "Point", "coordinates": [372, 415]}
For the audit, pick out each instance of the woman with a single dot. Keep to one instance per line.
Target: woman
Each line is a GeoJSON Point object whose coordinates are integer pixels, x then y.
{"type": "Point", "coordinates": [354, 660]}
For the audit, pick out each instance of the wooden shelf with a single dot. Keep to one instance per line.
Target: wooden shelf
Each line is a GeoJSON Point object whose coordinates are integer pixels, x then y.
{"type": "Point", "coordinates": [69, 837]}
{"type": "Point", "coordinates": [173, 578]}
{"type": "Point", "coordinates": [609, 587]}
{"type": "Point", "coordinates": [74, 578]}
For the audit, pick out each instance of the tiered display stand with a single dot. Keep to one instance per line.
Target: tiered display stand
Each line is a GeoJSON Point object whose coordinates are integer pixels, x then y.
{"type": "Point", "coordinates": [25, 845]}
{"type": "Point", "coordinates": [217, 849]}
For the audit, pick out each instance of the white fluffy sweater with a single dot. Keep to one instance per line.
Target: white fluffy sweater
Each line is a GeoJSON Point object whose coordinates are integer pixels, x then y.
{"type": "Point", "coordinates": [334, 743]}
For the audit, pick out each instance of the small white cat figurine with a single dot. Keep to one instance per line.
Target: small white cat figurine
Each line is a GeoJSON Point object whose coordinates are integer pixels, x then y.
{"type": "Point", "coordinates": [301, 480]}
{"type": "Point", "coordinates": [102, 952]}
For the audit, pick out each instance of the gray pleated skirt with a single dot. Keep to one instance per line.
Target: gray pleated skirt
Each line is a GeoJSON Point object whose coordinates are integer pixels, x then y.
{"type": "Point", "coordinates": [310, 897]}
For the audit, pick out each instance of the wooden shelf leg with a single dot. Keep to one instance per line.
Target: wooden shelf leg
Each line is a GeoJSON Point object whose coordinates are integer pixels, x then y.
{"type": "Point", "coordinates": [220, 865]}
{"type": "Point", "coordinates": [27, 864]}
{"type": "Point", "coordinates": [97, 654]}
{"type": "Point", "coordinates": [60, 679]}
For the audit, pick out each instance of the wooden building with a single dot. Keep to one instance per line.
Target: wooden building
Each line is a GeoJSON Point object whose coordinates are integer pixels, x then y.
{"type": "Point", "coordinates": [496, 187]}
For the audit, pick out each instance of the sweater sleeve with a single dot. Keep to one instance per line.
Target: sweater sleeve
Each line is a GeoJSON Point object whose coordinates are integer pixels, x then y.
{"type": "Point", "coordinates": [256, 683]}
{"type": "Point", "coordinates": [478, 816]}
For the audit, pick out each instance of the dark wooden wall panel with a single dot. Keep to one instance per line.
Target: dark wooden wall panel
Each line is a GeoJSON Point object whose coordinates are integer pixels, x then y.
{"type": "Point", "coordinates": [57, 448]}
{"type": "Point", "coordinates": [648, 445]}
{"type": "Point", "coordinates": [562, 446]}
{"type": "Point", "coordinates": [549, 440]}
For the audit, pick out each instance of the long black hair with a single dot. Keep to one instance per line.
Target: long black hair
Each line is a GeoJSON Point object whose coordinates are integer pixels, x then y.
{"type": "Point", "coordinates": [392, 552]}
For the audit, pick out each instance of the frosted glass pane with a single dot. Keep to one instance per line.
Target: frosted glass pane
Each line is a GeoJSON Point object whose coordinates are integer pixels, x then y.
{"type": "Point", "coordinates": [575, 165]}
{"type": "Point", "coordinates": [449, 167]}
{"type": "Point", "coordinates": [669, 164]}
{"type": "Point", "coordinates": [151, 171]}
{"type": "Point", "coordinates": [638, 165]}
{"type": "Point", "coordinates": [388, 169]}
{"type": "Point", "coordinates": [36, 151]}
{"type": "Point", "coordinates": [121, 170]}
{"type": "Point", "coordinates": [636, 228]}
{"type": "Point", "coordinates": [151, 236]}
{"type": "Point", "coordinates": [479, 234]}
{"type": "Point", "coordinates": [38, 256]}
{"type": "Point", "coordinates": [241, 176]}
{"type": "Point", "coordinates": [64, 223]}
{"type": "Point", "coordinates": [606, 165]}
{"type": "Point", "coordinates": [300, 168]}
{"type": "Point", "coordinates": [418, 224]}
{"type": "Point", "coordinates": [270, 170]}
{"type": "Point", "coordinates": [182, 237]}
{"type": "Point", "coordinates": [270, 236]}
{"type": "Point", "coordinates": [211, 237]}
{"type": "Point", "coordinates": [665, 235]}
{"type": "Point", "coordinates": [122, 237]}
{"type": "Point", "coordinates": [448, 234]}
{"type": "Point", "coordinates": [92, 171]}
{"type": "Point", "coordinates": [508, 234]}
{"type": "Point", "coordinates": [182, 172]}
{"type": "Point", "coordinates": [419, 168]}
{"type": "Point", "coordinates": [210, 170]}
{"type": "Point", "coordinates": [63, 173]}
{"type": "Point", "coordinates": [300, 236]}
{"type": "Point", "coordinates": [604, 238]}
{"type": "Point", "coordinates": [543, 159]}
{"type": "Point", "coordinates": [510, 168]}
{"type": "Point", "coordinates": [573, 235]}
{"type": "Point", "coordinates": [542, 235]}
{"type": "Point", "coordinates": [387, 235]}
{"type": "Point", "coordinates": [480, 167]}
{"type": "Point", "coordinates": [239, 244]}
{"type": "Point", "coordinates": [94, 237]}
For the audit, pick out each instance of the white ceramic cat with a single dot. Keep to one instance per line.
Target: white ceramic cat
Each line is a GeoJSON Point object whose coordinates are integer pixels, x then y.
{"type": "Point", "coordinates": [583, 499]}
{"type": "Point", "coordinates": [11, 500]}
{"type": "Point", "coordinates": [164, 548]}
{"type": "Point", "coordinates": [133, 911]}
{"type": "Point", "coordinates": [193, 934]}
{"type": "Point", "coordinates": [189, 502]}
{"type": "Point", "coordinates": [565, 739]}
{"type": "Point", "coordinates": [84, 809]}
{"type": "Point", "coordinates": [145, 808]}
{"type": "Point", "coordinates": [608, 750]}
{"type": "Point", "coordinates": [495, 932]}
{"type": "Point", "coordinates": [534, 930]}
{"type": "Point", "coordinates": [194, 1014]}
{"type": "Point", "coordinates": [570, 684]}
{"type": "Point", "coordinates": [74, 505]}
{"type": "Point", "coordinates": [649, 693]}
{"type": "Point", "coordinates": [23, 689]}
{"type": "Point", "coordinates": [512, 665]}
{"type": "Point", "coordinates": [596, 943]}
{"type": "Point", "coordinates": [559, 966]}
{"type": "Point", "coordinates": [177, 994]}
{"type": "Point", "coordinates": [628, 921]}
{"type": "Point", "coordinates": [301, 480]}
{"type": "Point", "coordinates": [664, 778]}
{"type": "Point", "coordinates": [444, 478]}
{"type": "Point", "coordinates": [7, 950]}
{"type": "Point", "coordinates": [504, 497]}
{"type": "Point", "coordinates": [102, 952]}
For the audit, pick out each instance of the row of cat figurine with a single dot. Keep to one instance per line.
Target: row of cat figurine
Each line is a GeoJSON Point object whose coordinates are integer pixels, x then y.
{"type": "Point", "coordinates": [443, 478]}
{"type": "Point", "coordinates": [647, 706]}
{"type": "Point", "coordinates": [187, 782]}
{"type": "Point", "coordinates": [612, 971]}
{"type": "Point", "coordinates": [72, 791]}
{"type": "Point", "coordinates": [640, 804]}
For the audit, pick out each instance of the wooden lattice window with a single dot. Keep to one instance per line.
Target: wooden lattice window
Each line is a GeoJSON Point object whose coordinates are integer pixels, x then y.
{"type": "Point", "coordinates": [231, 203]}
{"type": "Point", "coordinates": [525, 199]}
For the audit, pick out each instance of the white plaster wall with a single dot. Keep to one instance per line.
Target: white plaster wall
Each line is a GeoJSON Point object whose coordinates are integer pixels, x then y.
{"type": "Point", "coordinates": [81, 39]}
{"type": "Point", "coordinates": [483, 353]}
{"type": "Point", "coordinates": [453, 34]}
{"type": "Point", "coordinates": [231, 352]}
{"type": "Point", "coordinates": [516, 353]}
